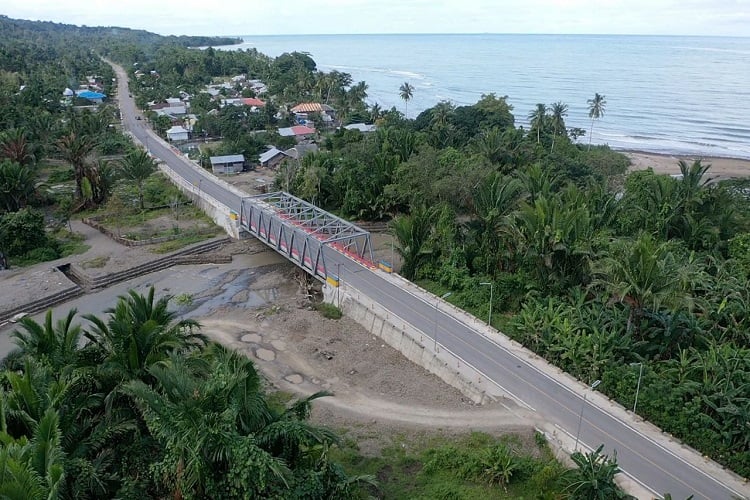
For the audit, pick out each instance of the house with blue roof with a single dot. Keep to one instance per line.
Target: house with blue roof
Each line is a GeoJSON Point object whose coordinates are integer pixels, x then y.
{"type": "Point", "coordinates": [95, 97]}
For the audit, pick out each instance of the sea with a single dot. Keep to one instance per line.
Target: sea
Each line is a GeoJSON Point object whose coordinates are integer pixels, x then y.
{"type": "Point", "coordinates": [664, 94]}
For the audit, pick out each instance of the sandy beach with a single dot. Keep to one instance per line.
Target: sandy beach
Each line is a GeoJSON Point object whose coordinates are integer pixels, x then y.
{"type": "Point", "coordinates": [721, 168]}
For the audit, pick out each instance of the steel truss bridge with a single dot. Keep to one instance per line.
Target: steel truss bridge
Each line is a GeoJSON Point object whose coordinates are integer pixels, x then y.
{"type": "Point", "coordinates": [300, 231]}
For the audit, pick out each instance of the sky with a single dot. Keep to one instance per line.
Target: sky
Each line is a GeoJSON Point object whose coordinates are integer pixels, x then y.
{"type": "Point", "coordinates": [279, 17]}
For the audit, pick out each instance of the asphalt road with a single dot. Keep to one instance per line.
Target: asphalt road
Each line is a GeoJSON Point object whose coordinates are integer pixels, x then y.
{"type": "Point", "coordinates": [640, 457]}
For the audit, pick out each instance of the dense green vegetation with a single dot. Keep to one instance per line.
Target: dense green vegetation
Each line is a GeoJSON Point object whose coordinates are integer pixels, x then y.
{"type": "Point", "coordinates": [599, 272]}
{"type": "Point", "coordinates": [148, 408]}
{"type": "Point", "coordinates": [596, 271]}
{"type": "Point", "coordinates": [47, 140]}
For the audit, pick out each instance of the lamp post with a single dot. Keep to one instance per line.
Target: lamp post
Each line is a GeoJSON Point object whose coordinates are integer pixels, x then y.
{"type": "Point", "coordinates": [638, 386]}
{"type": "Point", "coordinates": [437, 303]}
{"type": "Point", "coordinates": [492, 286]}
{"type": "Point", "coordinates": [580, 416]}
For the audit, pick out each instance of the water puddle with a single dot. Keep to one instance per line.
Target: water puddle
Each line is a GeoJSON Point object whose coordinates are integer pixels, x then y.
{"type": "Point", "coordinates": [234, 292]}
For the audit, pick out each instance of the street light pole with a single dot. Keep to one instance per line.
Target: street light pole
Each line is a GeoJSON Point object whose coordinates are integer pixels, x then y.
{"type": "Point", "coordinates": [437, 303]}
{"type": "Point", "coordinates": [492, 286]}
{"type": "Point", "coordinates": [580, 416]}
{"type": "Point", "coordinates": [638, 386]}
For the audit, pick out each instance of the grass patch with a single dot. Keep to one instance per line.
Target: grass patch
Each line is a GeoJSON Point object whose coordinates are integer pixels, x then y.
{"type": "Point", "coordinates": [96, 262]}
{"type": "Point", "coordinates": [279, 400]}
{"type": "Point", "coordinates": [183, 241]}
{"type": "Point", "coordinates": [463, 467]}
{"type": "Point", "coordinates": [71, 243]}
{"type": "Point", "coordinates": [328, 310]}
{"type": "Point", "coordinates": [60, 244]}
{"type": "Point", "coordinates": [183, 299]}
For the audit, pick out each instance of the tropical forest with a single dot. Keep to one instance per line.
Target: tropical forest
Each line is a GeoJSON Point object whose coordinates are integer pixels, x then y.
{"type": "Point", "coordinates": [627, 278]}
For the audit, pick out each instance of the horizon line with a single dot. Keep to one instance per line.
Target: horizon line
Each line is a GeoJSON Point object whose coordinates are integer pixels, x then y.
{"type": "Point", "coordinates": [476, 34]}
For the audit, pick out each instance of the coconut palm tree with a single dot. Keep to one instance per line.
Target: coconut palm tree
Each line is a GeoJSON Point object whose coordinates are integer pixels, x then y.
{"type": "Point", "coordinates": [559, 111]}
{"type": "Point", "coordinates": [139, 332]}
{"type": "Point", "coordinates": [375, 112]}
{"type": "Point", "coordinates": [406, 91]}
{"type": "Point", "coordinates": [538, 119]}
{"type": "Point", "coordinates": [646, 276]}
{"type": "Point", "coordinates": [596, 111]}
{"type": "Point", "coordinates": [75, 148]}
{"type": "Point", "coordinates": [137, 166]}
{"type": "Point", "coordinates": [57, 345]}
{"type": "Point", "coordinates": [494, 201]}
{"type": "Point", "coordinates": [33, 467]}
{"type": "Point", "coordinates": [217, 429]}
{"type": "Point", "coordinates": [18, 184]}
{"type": "Point", "coordinates": [15, 146]}
{"type": "Point", "coordinates": [412, 233]}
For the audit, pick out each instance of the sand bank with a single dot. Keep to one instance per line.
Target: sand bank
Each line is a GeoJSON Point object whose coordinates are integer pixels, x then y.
{"type": "Point", "coordinates": [721, 168]}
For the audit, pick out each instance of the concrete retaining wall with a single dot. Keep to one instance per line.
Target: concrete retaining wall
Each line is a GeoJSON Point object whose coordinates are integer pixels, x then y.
{"type": "Point", "coordinates": [408, 341]}
{"type": "Point", "coordinates": [195, 254]}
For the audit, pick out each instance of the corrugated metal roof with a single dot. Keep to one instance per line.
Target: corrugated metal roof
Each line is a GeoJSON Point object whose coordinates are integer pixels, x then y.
{"type": "Point", "coordinates": [269, 154]}
{"type": "Point", "coordinates": [362, 127]}
{"type": "Point", "coordinates": [252, 101]}
{"type": "Point", "coordinates": [296, 130]}
{"type": "Point", "coordinates": [227, 159]}
{"type": "Point", "coordinates": [311, 107]}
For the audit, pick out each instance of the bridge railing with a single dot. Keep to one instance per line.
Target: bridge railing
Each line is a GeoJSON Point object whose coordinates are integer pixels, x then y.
{"type": "Point", "coordinates": [300, 231]}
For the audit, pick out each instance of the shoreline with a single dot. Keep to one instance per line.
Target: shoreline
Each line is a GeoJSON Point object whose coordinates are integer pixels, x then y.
{"type": "Point", "coordinates": [722, 168]}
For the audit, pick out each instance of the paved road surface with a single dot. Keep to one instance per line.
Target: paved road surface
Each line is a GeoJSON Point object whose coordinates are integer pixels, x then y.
{"type": "Point", "coordinates": [641, 458]}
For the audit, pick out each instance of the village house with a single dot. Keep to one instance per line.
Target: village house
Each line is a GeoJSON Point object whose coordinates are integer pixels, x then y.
{"type": "Point", "coordinates": [299, 132]}
{"type": "Point", "coordinates": [362, 127]}
{"type": "Point", "coordinates": [91, 96]}
{"type": "Point", "coordinates": [227, 164]}
{"type": "Point", "coordinates": [177, 133]}
{"type": "Point", "coordinates": [301, 150]}
{"type": "Point", "coordinates": [302, 112]}
{"type": "Point", "coordinates": [272, 158]}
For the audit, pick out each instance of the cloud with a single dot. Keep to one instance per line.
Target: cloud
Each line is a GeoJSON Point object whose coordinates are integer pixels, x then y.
{"type": "Point", "coordinates": [700, 17]}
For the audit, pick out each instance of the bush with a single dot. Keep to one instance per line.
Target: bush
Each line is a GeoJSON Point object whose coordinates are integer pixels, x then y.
{"type": "Point", "coordinates": [37, 255]}
{"type": "Point", "coordinates": [61, 175]}
{"type": "Point", "coordinates": [22, 232]}
{"type": "Point", "coordinates": [328, 310]}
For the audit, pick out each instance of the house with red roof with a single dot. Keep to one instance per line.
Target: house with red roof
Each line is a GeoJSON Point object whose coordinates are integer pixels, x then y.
{"type": "Point", "coordinates": [299, 132]}
{"type": "Point", "coordinates": [253, 101]}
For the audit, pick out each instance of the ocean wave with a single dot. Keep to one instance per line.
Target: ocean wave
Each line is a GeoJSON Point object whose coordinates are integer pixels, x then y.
{"type": "Point", "coordinates": [714, 49]}
{"type": "Point", "coordinates": [367, 69]}
{"type": "Point", "coordinates": [408, 74]}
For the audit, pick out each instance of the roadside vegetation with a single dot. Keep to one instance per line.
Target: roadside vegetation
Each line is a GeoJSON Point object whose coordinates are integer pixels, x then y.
{"type": "Point", "coordinates": [63, 156]}
{"type": "Point", "coordinates": [477, 465]}
{"type": "Point", "coordinates": [602, 273]}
